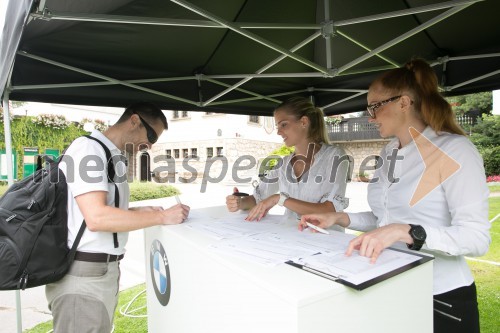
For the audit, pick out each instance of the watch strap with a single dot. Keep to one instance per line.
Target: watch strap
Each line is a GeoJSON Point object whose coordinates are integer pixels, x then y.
{"type": "Point", "coordinates": [417, 233]}
{"type": "Point", "coordinates": [283, 197]}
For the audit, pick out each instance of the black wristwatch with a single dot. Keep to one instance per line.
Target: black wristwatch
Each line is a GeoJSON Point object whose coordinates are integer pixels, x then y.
{"type": "Point", "coordinates": [417, 233]}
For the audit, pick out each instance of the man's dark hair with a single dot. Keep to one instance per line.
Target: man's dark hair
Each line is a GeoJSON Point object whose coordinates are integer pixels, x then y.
{"type": "Point", "coordinates": [146, 110]}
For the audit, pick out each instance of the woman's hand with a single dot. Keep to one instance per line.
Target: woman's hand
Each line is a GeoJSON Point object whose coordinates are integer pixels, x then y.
{"type": "Point", "coordinates": [324, 220]}
{"type": "Point", "coordinates": [261, 209]}
{"type": "Point", "coordinates": [371, 244]}
{"type": "Point", "coordinates": [233, 203]}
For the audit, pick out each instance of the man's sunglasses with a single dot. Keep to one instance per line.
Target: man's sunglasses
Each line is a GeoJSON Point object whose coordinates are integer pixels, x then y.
{"type": "Point", "coordinates": [152, 136]}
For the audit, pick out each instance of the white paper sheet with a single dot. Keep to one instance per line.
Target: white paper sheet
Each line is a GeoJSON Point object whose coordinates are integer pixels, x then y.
{"type": "Point", "coordinates": [266, 252]}
{"type": "Point", "coordinates": [232, 226]}
{"type": "Point", "coordinates": [272, 241]}
{"type": "Point", "coordinates": [355, 268]}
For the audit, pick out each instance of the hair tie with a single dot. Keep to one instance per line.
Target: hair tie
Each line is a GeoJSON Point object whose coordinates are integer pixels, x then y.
{"type": "Point", "coordinates": [409, 66]}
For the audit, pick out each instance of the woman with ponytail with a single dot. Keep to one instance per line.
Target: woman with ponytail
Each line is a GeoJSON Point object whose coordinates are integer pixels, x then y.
{"type": "Point", "coordinates": [429, 194]}
{"type": "Point", "coordinates": [311, 179]}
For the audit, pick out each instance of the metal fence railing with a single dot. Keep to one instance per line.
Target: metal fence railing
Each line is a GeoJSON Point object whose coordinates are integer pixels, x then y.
{"type": "Point", "coordinates": [352, 129]}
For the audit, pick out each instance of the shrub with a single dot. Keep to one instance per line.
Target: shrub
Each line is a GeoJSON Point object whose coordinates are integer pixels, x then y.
{"type": "Point", "coordinates": [282, 151]}
{"type": "Point", "coordinates": [146, 191]}
{"type": "Point", "coordinates": [28, 132]}
{"type": "Point", "coordinates": [51, 121]}
{"type": "Point", "coordinates": [491, 158]}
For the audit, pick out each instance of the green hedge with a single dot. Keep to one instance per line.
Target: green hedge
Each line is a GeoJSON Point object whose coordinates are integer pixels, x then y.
{"type": "Point", "coordinates": [138, 191]}
{"type": "Point", "coordinates": [146, 191]}
{"type": "Point", "coordinates": [491, 158]}
{"type": "Point", "coordinates": [26, 132]}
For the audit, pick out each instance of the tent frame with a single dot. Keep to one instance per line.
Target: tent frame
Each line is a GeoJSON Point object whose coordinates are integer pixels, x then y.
{"type": "Point", "coordinates": [326, 29]}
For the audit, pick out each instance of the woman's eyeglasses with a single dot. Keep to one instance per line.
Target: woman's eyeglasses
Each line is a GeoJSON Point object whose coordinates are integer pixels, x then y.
{"type": "Point", "coordinates": [372, 108]}
{"type": "Point", "coordinates": [150, 132]}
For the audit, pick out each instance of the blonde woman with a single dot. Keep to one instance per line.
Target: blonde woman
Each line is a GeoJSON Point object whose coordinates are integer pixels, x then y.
{"type": "Point", "coordinates": [312, 179]}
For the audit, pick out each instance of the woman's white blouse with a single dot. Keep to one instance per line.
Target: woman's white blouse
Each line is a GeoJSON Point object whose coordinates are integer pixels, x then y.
{"type": "Point", "coordinates": [324, 181]}
{"type": "Point", "coordinates": [454, 212]}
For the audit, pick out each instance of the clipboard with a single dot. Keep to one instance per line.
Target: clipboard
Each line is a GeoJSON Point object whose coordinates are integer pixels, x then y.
{"type": "Point", "coordinates": [419, 260]}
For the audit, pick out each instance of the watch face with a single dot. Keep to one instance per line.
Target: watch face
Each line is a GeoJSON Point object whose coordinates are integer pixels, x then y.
{"type": "Point", "coordinates": [418, 232]}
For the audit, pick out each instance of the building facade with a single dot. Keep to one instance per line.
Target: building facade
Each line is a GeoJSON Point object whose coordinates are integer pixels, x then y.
{"type": "Point", "coordinates": [212, 146]}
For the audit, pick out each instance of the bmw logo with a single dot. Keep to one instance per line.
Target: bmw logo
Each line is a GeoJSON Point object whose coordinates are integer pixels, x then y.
{"type": "Point", "coordinates": [160, 274]}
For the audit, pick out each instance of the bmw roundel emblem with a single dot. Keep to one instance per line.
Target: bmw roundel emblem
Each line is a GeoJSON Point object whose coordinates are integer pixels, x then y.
{"type": "Point", "coordinates": [160, 273]}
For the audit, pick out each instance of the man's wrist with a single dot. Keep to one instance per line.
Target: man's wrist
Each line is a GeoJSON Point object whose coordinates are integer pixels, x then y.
{"type": "Point", "coordinates": [344, 220]}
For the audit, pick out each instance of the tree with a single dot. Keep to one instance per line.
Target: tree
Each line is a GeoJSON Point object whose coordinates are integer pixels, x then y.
{"type": "Point", "coordinates": [486, 136]}
{"type": "Point", "coordinates": [486, 133]}
{"type": "Point", "coordinates": [16, 104]}
{"type": "Point", "coordinates": [477, 104]}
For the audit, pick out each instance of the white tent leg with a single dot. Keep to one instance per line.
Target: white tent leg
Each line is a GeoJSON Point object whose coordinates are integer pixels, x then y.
{"type": "Point", "coordinates": [19, 316]}
{"type": "Point", "coordinates": [10, 181]}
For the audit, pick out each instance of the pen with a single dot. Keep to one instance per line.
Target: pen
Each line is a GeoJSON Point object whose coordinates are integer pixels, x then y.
{"type": "Point", "coordinates": [323, 231]}
{"type": "Point", "coordinates": [178, 200]}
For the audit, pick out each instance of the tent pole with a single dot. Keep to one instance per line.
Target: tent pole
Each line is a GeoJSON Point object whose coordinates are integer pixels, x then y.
{"type": "Point", "coordinates": [404, 12]}
{"type": "Point", "coordinates": [479, 78]}
{"type": "Point", "coordinates": [10, 181]}
{"type": "Point", "coordinates": [266, 67]}
{"type": "Point", "coordinates": [403, 37]}
{"type": "Point", "coordinates": [327, 36]}
{"type": "Point", "coordinates": [343, 100]}
{"type": "Point", "coordinates": [249, 35]}
{"type": "Point", "coordinates": [120, 19]}
{"type": "Point", "coordinates": [103, 77]}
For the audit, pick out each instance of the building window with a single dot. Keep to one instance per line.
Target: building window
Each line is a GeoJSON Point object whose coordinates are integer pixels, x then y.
{"type": "Point", "coordinates": [194, 152]}
{"type": "Point", "coordinates": [220, 151]}
{"type": "Point", "coordinates": [210, 152]}
{"type": "Point", "coordinates": [180, 114]}
{"type": "Point", "coordinates": [176, 153]}
{"type": "Point", "coordinates": [185, 153]}
{"type": "Point", "coordinates": [168, 152]}
{"type": "Point", "coordinates": [253, 119]}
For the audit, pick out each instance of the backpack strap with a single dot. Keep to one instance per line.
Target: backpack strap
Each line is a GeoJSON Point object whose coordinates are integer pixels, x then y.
{"type": "Point", "coordinates": [109, 159]}
{"type": "Point", "coordinates": [72, 252]}
{"type": "Point", "coordinates": [111, 177]}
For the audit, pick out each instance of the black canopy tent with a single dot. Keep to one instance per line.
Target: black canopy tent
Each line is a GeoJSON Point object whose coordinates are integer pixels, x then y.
{"type": "Point", "coordinates": [237, 56]}
{"type": "Point", "coordinates": [240, 56]}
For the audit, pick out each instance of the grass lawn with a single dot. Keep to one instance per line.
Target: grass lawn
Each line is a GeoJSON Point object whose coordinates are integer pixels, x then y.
{"type": "Point", "coordinates": [486, 276]}
{"type": "Point", "coordinates": [494, 188]}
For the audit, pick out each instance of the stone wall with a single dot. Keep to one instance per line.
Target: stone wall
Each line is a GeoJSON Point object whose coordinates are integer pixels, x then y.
{"type": "Point", "coordinates": [240, 161]}
{"type": "Point", "coordinates": [362, 152]}
{"type": "Point", "coordinates": [238, 153]}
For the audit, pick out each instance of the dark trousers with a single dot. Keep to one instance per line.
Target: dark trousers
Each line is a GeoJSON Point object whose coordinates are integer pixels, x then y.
{"type": "Point", "coordinates": [456, 311]}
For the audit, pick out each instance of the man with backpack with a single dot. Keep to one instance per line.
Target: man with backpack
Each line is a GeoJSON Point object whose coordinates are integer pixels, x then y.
{"type": "Point", "coordinates": [86, 297]}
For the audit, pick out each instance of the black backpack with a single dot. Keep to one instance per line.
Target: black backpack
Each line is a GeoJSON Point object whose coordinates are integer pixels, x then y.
{"type": "Point", "coordinates": [34, 228]}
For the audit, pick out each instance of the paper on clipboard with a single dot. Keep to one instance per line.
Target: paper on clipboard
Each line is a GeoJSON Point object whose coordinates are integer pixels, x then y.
{"type": "Point", "coordinates": [356, 271]}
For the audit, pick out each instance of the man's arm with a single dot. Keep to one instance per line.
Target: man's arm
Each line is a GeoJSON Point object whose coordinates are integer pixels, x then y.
{"type": "Point", "coordinates": [100, 217]}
